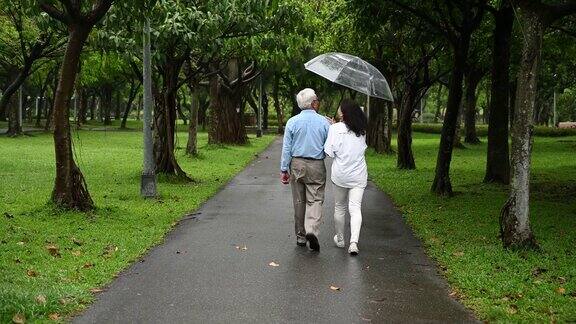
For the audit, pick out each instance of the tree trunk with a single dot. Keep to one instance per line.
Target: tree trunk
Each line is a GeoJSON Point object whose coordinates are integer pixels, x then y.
{"type": "Point", "coordinates": [93, 102]}
{"type": "Point", "coordinates": [12, 106]}
{"type": "Point", "coordinates": [470, 99]}
{"type": "Point", "coordinates": [378, 125]}
{"type": "Point", "coordinates": [227, 113]}
{"type": "Point", "coordinates": [264, 111]}
{"type": "Point", "coordinates": [442, 184]}
{"type": "Point", "coordinates": [458, 134]}
{"type": "Point", "coordinates": [515, 216]}
{"type": "Point", "coordinates": [14, 126]}
{"type": "Point", "coordinates": [106, 104]}
{"type": "Point", "coordinates": [277, 107]}
{"type": "Point", "coordinates": [49, 125]}
{"type": "Point", "coordinates": [132, 96]}
{"type": "Point", "coordinates": [405, 154]}
{"type": "Point", "coordinates": [165, 123]}
{"type": "Point", "coordinates": [438, 104]}
{"type": "Point", "coordinates": [70, 189]}
{"type": "Point", "coordinates": [192, 146]}
{"type": "Point", "coordinates": [117, 105]}
{"type": "Point", "coordinates": [497, 160]}
{"type": "Point", "coordinates": [83, 106]}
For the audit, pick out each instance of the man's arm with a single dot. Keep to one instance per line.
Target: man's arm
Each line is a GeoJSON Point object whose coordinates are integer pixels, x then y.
{"type": "Point", "coordinates": [286, 149]}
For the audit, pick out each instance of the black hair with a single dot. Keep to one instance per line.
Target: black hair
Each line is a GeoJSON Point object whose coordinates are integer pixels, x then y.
{"type": "Point", "coordinates": [354, 117]}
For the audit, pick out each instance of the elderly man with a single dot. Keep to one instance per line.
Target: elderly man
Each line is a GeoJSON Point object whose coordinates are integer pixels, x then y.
{"type": "Point", "coordinates": [303, 166]}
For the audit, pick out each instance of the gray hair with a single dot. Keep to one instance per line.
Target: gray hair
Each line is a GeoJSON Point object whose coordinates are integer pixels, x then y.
{"type": "Point", "coordinates": [305, 98]}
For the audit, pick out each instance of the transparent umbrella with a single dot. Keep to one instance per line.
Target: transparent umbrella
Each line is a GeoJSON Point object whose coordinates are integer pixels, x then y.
{"type": "Point", "coordinates": [352, 72]}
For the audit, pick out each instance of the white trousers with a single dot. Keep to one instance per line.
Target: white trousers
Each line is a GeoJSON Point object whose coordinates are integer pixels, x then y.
{"type": "Point", "coordinates": [348, 200]}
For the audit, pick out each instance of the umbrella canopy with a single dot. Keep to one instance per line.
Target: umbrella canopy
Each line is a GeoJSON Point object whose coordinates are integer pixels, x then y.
{"type": "Point", "coordinates": [352, 72]}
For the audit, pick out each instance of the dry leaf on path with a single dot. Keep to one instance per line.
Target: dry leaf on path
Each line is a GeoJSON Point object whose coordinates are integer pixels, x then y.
{"type": "Point", "coordinates": [40, 299]}
{"type": "Point", "coordinates": [19, 318]}
{"type": "Point", "coordinates": [241, 248]}
{"type": "Point", "coordinates": [273, 264]}
{"type": "Point", "coordinates": [96, 290]}
{"type": "Point", "coordinates": [334, 288]}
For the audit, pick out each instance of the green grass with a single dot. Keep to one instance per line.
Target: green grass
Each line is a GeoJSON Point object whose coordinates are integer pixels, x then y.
{"type": "Point", "coordinates": [482, 130]}
{"type": "Point", "coordinates": [461, 233]}
{"type": "Point", "coordinates": [92, 247]}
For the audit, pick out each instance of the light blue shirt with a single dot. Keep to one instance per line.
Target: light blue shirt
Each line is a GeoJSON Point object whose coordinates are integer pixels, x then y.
{"type": "Point", "coordinates": [304, 136]}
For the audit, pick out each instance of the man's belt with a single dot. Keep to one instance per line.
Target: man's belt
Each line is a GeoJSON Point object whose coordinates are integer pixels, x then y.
{"type": "Point", "coordinates": [306, 158]}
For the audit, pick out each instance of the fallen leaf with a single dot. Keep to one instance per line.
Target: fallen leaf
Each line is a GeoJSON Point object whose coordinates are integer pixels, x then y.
{"type": "Point", "coordinates": [19, 318]}
{"type": "Point", "coordinates": [53, 250]}
{"type": "Point", "coordinates": [561, 290]}
{"type": "Point", "coordinates": [76, 253]}
{"type": "Point", "coordinates": [54, 316]}
{"type": "Point", "coordinates": [513, 309]}
{"type": "Point", "coordinates": [40, 299]}
{"type": "Point", "coordinates": [32, 273]}
{"type": "Point", "coordinates": [538, 271]}
{"type": "Point", "coordinates": [88, 265]}
{"type": "Point", "coordinates": [273, 264]}
{"type": "Point", "coordinates": [63, 301]}
{"type": "Point", "coordinates": [109, 250]}
{"type": "Point", "coordinates": [241, 248]}
{"type": "Point", "coordinates": [77, 241]}
{"type": "Point", "coordinates": [95, 290]}
{"type": "Point", "coordinates": [562, 280]}
{"type": "Point", "coordinates": [458, 254]}
{"type": "Point", "coordinates": [334, 288]}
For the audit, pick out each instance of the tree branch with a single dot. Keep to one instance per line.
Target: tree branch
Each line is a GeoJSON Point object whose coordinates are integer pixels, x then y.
{"type": "Point", "coordinates": [99, 11]}
{"type": "Point", "coordinates": [55, 13]}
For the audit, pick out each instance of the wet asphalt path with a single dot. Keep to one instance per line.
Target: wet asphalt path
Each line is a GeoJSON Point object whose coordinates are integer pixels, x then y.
{"type": "Point", "coordinates": [203, 274]}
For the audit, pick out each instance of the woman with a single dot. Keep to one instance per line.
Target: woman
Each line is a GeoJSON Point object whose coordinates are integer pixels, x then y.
{"type": "Point", "coordinates": [346, 143]}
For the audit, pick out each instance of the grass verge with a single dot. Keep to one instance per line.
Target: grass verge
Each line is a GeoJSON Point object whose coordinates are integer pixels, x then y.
{"type": "Point", "coordinates": [461, 233]}
{"type": "Point", "coordinates": [51, 262]}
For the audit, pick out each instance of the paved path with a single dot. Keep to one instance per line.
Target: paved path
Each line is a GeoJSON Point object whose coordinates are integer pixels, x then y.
{"type": "Point", "coordinates": [199, 276]}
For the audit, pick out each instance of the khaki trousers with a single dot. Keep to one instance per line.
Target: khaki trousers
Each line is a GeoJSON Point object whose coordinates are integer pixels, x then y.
{"type": "Point", "coordinates": [308, 181]}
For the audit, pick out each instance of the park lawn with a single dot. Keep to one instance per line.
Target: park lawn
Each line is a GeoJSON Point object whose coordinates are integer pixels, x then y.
{"type": "Point", "coordinates": [90, 249]}
{"type": "Point", "coordinates": [461, 233]}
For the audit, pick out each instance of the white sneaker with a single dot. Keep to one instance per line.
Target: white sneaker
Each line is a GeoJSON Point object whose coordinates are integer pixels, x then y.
{"type": "Point", "coordinates": [353, 249]}
{"type": "Point", "coordinates": [339, 240]}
